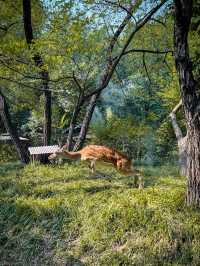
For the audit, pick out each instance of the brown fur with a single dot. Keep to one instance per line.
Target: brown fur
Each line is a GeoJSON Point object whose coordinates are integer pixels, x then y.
{"type": "Point", "coordinates": [95, 153]}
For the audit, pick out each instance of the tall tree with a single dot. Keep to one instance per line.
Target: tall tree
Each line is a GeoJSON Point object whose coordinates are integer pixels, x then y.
{"type": "Point", "coordinates": [189, 95]}
{"type": "Point", "coordinates": [8, 21]}
{"type": "Point", "coordinates": [43, 73]}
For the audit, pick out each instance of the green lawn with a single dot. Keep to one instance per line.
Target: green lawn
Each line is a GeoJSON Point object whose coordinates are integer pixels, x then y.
{"type": "Point", "coordinates": [64, 215]}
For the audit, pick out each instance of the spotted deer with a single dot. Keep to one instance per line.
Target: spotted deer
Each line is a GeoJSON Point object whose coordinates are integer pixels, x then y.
{"type": "Point", "coordinates": [95, 153]}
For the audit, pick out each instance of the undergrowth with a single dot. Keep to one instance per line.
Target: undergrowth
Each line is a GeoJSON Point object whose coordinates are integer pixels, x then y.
{"type": "Point", "coordinates": [64, 215]}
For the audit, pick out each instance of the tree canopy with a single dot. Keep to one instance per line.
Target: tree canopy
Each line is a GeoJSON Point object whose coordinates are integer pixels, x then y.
{"type": "Point", "coordinates": [109, 61]}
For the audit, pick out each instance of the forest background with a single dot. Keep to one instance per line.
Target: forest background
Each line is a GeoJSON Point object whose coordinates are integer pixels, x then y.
{"type": "Point", "coordinates": [72, 39]}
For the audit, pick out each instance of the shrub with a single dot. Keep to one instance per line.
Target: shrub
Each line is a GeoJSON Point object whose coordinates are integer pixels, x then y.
{"type": "Point", "coordinates": [126, 135]}
{"type": "Point", "coordinates": [7, 153]}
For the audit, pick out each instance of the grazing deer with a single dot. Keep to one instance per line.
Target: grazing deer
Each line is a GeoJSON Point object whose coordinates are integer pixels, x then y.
{"type": "Point", "coordinates": [95, 153]}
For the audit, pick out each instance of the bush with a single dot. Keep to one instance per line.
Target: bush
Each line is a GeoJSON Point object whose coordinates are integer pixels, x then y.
{"type": "Point", "coordinates": [7, 153]}
{"type": "Point", "coordinates": [126, 135]}
{"type": "Point", "coordinates": [166, 143]}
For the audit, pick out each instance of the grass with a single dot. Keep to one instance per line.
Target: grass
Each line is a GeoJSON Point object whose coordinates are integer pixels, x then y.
{"type": "Point", "coordinates": [64, 215]}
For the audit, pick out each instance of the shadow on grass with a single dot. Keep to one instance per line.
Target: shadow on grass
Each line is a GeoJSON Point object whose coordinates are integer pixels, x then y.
{"type": "Point", "coordinates": [10, 168]}
{"type": "Point", "coordinates": [96, 189]}
{"type": "Point", "coordinates": [77, 191]}
{"type": "Point", "coordinates": [88, 176]}
{"type": "Point", "coordinates": [100, 175]}
{"type": "Point", "coordinates": [71, 261]}
{"type": "Point", "coordinates": [29, 238]}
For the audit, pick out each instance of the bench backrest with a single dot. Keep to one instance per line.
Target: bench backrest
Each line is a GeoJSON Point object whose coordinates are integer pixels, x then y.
{"type": "Point", "coordinates": [43, 149]}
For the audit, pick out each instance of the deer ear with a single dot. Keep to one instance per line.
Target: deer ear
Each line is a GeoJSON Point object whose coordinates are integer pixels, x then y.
{"type": "Point", "coordinates": [64, 147]}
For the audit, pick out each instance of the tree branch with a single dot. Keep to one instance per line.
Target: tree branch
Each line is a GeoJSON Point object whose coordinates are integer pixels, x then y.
{"type": "Point", "coordinates": [10, 60]}
{"type": "Point", "coordinates": [148, 51]}
{"type": "Point", "coordinates": [145, 67]}
{"type": "Point", "coordinates": [111, 66]}
{"type": "Point", "coordinates": [118, 32]}
{"type": "Point", "coordinates": [177, 107]}
{"type": "Point", "coordinates": [122, 7]}
{"type": "Point", "coordinates": [7, 27]}
{"type": "Point", "coordinates": [34, 77]}
{"type": "Point", "coordinates": [27, 86]}
{"type": "Point", "coordinates": [77, 83]}
{"type": "Point", "coordinates": [172, 115]}
{"type": "Point", "coordinates": [160, 22]}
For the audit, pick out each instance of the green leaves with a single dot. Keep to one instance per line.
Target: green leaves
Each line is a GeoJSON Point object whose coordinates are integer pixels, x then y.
{"type": "Point", "coordinates": [63, 120]}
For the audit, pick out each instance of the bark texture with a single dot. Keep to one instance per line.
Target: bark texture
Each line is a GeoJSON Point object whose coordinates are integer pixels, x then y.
{"type": "Point", "coordinates": [47, 110]}
{"type": "Point", "coordinates": [43, 73]}
{"type": "Point", "coordinates": [190, 98]}
{"type": "Point", "coordinates": [6, 119]}
{"type": "Point", "coordinates": [73, 121]}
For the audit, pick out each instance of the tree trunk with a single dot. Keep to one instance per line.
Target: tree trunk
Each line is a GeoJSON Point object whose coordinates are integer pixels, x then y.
{"type": "Point", "coordinates": [190, 99]}
{"type": "Point", "coordinates": [86, 122]}
{"type": "Point", "coordinates": [43, 73]}
{"type": "Point", "coordinates": [193, 171]}
{"type": "Point", "coordinates": [6, 119]}
{"type": "Point", "coordinates": [47, 110]}
{"type": "Point", "coordinates": [75, 114]}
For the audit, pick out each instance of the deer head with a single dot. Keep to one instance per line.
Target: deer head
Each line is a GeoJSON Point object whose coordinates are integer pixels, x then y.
{"type": "Point", "coordinates": [58, 154]}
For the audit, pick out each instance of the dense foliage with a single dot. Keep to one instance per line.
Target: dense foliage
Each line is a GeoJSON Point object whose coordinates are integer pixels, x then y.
{"type": "Point", "coordinates": [71, 40]}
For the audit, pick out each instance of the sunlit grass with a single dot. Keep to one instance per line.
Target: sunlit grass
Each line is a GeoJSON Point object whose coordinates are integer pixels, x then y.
{"type": "Point", "coordinates": [61, 214]}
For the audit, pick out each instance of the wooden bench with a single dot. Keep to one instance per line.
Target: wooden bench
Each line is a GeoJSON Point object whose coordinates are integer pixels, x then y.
{"type": "Point", "coordinates": [40, 150]}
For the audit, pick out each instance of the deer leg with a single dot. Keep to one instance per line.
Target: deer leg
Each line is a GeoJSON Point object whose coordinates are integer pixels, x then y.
{"type": "Point", "coordinates": [135, 181]}
{"type": "Point", "coordinates": [92, 166]}
{"type": "Point", "coordinates": [140, 182]}
{"type": "Point", "coordinates": [138, 179]}
{"type": "Point", "coordinates": [119, 166]}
